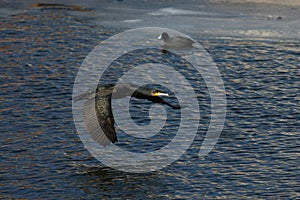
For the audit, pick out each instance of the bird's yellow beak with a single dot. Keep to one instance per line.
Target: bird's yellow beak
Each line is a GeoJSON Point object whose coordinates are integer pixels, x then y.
{"type": "Point", "coordinates": [157, 94]}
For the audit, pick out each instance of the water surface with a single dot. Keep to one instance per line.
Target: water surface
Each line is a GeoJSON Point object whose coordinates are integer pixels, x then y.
{"type": "Point", "coordinates": [42, 156]}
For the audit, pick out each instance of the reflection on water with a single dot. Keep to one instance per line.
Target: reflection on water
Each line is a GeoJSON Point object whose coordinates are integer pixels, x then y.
{"type": "Point", "coordinates": [43, 157]}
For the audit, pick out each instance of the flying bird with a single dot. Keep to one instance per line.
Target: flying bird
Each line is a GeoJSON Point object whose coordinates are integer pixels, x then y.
{"type": "Point", "coordinates": [102, 127]}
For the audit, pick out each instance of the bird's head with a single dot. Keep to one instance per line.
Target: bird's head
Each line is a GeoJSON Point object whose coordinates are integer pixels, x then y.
{"type": "Point", "coordinates": [163, 36]}
{"type": "Point", "coordinates": [148, 91]}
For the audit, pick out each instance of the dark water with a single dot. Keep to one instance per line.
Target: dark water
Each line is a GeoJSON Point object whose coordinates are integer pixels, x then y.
{"type": "Point", "coordinates": [42, 156]}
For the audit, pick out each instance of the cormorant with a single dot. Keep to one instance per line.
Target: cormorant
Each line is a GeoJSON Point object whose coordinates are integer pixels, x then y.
{"type": "Point", "coordinates": [103, 109]}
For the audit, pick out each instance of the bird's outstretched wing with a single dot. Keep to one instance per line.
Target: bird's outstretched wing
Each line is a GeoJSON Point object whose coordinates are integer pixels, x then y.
{"type": "Point", "coordinates": [99, 113]}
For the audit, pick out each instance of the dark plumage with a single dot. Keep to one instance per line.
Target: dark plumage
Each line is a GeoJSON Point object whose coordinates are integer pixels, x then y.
{"type": "Point", "coordinates": [104, 116]}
